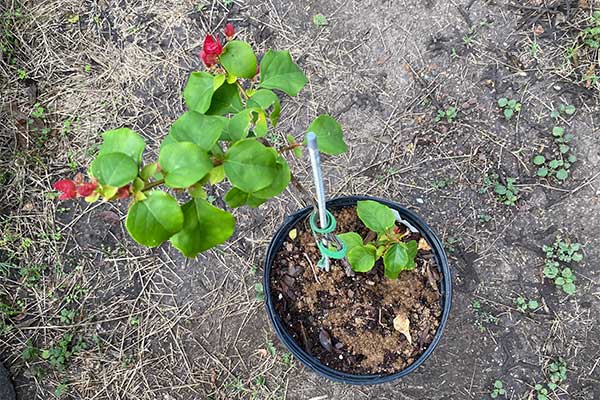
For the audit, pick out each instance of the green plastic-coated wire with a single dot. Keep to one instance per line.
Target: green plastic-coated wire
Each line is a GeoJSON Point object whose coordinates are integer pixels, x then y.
{"type": "Point", "coordinates": [327, 252]}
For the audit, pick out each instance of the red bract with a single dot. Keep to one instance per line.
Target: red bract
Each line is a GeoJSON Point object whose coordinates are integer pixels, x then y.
{"type": "Point", "coordinates": [211, 50]}
{"type": "Point", "coordinates": [229, 30]}
{"type": "Point", "coordinates": [67, 189]}
{"type": "Point", "coordinates": [123, 192]}
{"type": "Point", "coordinates": [86, 189]}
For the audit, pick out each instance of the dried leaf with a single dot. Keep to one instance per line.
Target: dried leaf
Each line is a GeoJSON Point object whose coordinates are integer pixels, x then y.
{"type": "Point", "coordinates": [263, 352]}
{"type": "Point", "coordinates": [402, 325]}
{"type": "Point", "coordinates": [293, 234]}
{"type": "Point", "coordinates": [423, 245]}
{"type": "Point", "coordinates": [325, 340]}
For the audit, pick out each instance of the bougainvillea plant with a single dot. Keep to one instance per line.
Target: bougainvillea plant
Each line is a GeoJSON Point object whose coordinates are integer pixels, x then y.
{"type": "Point", "coordinates": [386, 240]}
{"type": "Point", "coordinates": [223, 135]}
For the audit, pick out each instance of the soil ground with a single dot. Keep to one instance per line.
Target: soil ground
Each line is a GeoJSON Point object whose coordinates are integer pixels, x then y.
{"type": "Point", "coordinates": [158, 326]}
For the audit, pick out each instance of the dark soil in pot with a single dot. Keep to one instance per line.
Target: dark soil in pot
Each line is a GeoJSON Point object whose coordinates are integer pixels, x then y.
{"type": "Point", "coordinates": [346, 320]}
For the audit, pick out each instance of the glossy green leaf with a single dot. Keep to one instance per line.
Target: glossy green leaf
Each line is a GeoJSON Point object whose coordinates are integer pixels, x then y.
{"type": "Point", "coordinates": [238, 59]}
{"type": "Point", "coordinates": [114, 169]}
{"type": "Point", "coordinates": [123, 140]}
{"type": "Point", "coordinates": [266, 99]}
{"type": "Point", "coordinates": [203, 130]}
{"type": "Point", "coordinates": [397, 259]}
{"type": "Point", "coordinates": [330, 138]}
{"type": "Point", "coordinates": [250, 166]}
{"type": "Point", "coordinates": [183, 164]}
{"type": "Point", "coordinates": [226, 100]}
{"type": "Point", "coordinates": [281, 179]}
{"type": "Point", "coordinates": [376, 216]}
{"type": "Point", "coordinates": [198, 92]}
{"type": "Point", "coordinates": [235, 197]}
{"type": "Point", "coordinates": [238, 127]}
{"type": "Point", "coordinates": [278, 71]}
{"type": "Point", "coordinates": [362, 258]}
{"type": "Point", "coordinates": [154, 220]}
{"type": "Point", "coordinates": [351, 240]}
{"type": "Point", "coordinates": [204, 226]}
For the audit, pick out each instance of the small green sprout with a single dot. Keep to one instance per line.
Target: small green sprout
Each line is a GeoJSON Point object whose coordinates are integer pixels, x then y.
{"type": "Point", "coordinates": [560, 253]}
{"type": "Point", "coordinates": [509, 107]}
{"type": "Point", "coordinates": [320, 20]}
{"type": "Point", "coordinates": [449, 114]}
{"type": "Point", "coordinates": [498, 389]}
{"type": "Point", "coordinates": [506, 193]}
{"type": "Point", "coordinates": [523, 304]}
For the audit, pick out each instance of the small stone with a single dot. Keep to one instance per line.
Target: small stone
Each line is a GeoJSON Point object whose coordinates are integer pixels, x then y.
{"type": "Point", "coordinates": [420, 200]}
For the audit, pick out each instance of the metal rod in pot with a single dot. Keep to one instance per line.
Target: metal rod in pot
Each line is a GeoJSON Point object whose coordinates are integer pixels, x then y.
{"type": "Point", "coordinates": [315, 161]}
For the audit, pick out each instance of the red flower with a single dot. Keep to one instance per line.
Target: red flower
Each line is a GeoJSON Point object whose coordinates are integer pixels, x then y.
{"type": "Point", "coordinates": [229, 30]}
{"type": "Point", "coordinates": [123, 192]}
{"type": "Point", "coordinates": [211, 50]}
{"type": "Point", "coordinates": [67, 189]}
{"type": "Point", "coordinates": [86, 189]}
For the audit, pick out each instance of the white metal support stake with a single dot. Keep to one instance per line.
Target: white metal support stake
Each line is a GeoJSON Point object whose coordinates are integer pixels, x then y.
{"type": "Point", "coordinates": [315, 161]}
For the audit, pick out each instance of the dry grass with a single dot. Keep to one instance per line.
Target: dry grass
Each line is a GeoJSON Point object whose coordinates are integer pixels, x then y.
{"type": "Point", "coordinates": [161, 327]}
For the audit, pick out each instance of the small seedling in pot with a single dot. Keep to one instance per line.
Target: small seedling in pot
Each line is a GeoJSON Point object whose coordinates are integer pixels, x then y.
{"type": "Point", "coordinates": [387, 242]}
{"type": "Point", "coordinates": [449, 114]}
{"type": "Point", "coordinates": [506, 193]}
{"type": "Point", "coordinates": [558, 256]}
{"type": "Point", "coordinates": [523, 305]}
{"type": "Point", "coordinates": [509, 107]}
{"type": "Point", "coordinates": [498, 389]}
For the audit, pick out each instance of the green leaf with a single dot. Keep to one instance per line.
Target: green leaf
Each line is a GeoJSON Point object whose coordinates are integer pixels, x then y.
{"type": "Point", "coordinates": [319, 20]}
{"type": "Point", "coordinates": [281, 179]}
{"type": "Point", "coordinates": [114, 169]}
{"type": "Point", "coordinates": [254, 201]}
{"type": "Point", "coordinates": [572, 158]}
{"type": "Point", "coordinates": [123, 140]}
{"type": "Point", "coordinates": [562, 174]}
{"type": "Point", "coordinates": [539, 159]}
{"type": "Point", "coordinates": [569, 288]}
{"type": "Point", "coordinates": [508, 113]}
{"type": "Point", "coordinates": [330, 138]}
{"type": "Point", "coordinates": [238, 127]}
{"type": "Point", "coordinates": [503, 102]}
{"type": "Point", "coordinates": [265, 99]}
{"type": "Point", "coordinates": [225, 100]}
{"type": "Point", "coordinates": [564, 148]}
{"type": "Point", "coordinates": [542, 172]}
{"type": "Point", "coordinates": [351, 240]}
{"type": "Point", "coordinates": [154, 220]}
{"type": "Point", "coordinates": [250, 166]}
{"type": "Point", "coordinates": [558, 131]}
{"type": "Point", "coordinates": [362, 258]}
{"type": "Point", "coordinates": [198, 91]}
{"type": "Point", "coordinates": [235, 197]}
{"type": "Point", "coordinates": [148, 171]}
{"type": "Point", "coordinates": [412, 248]}
{"type": "Point", "coordinates": [183, 164]}
{"type": "Point", "coordinates": [396, 259]}
{"type": "Point", "coordinates": [376, 216]}
{"type": "Point", "coordinates": [204, 227]}
{"type": "Point", "coordinates": [239, 59]}
{"type": "Point", "coordinates": [278, 71]}
{"type": "Point", "coordinates": [203, 130]}
{"type": "Point", "coordinates": [570, 109]}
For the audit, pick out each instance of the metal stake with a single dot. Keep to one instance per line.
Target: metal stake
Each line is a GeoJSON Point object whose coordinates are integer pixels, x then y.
{"type": "Point", "coordinates": [315, 161]}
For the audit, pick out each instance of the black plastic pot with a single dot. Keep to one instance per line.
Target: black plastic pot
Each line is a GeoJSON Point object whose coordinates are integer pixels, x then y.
{"type": "Point", "coordinates": [311, 361]}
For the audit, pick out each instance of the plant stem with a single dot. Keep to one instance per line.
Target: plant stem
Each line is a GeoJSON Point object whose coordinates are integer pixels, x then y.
{"type": "Point", "coordinates": [150, 185]}
{"type": "Point", "coordinates": [244, 94]}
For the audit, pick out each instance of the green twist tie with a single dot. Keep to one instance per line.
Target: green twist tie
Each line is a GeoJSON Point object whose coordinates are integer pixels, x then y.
{"type": "Point", "coordinates": [336, 254]}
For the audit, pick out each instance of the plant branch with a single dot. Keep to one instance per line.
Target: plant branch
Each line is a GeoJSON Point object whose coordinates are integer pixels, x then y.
{"type": "Point", "coordinates": [150, 185]}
